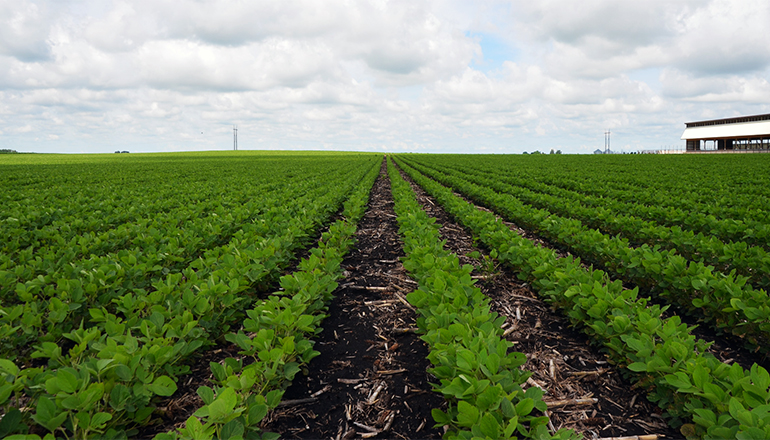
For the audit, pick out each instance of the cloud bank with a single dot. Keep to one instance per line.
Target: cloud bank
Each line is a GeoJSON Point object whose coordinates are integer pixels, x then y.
{"type": "Point", "coordinates": [374, 75]}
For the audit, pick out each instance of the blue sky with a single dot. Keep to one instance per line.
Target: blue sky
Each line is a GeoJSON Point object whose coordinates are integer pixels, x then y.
{"type": "Point", "coordinates": [494, 52]}
{"type": "Point", "coordinates": [375, 75]}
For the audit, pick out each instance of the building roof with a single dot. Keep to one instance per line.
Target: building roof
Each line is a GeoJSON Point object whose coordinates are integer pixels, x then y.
{"type": "Point", "coordinates": [740, 127]}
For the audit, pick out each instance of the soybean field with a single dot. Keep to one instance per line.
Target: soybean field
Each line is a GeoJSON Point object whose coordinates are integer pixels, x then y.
{"type": "Point", "coordinates": [260, 295]}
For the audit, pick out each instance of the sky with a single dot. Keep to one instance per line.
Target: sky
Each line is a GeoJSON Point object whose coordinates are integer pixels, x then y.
{"type": "Point", "coordinates": [438, 76]}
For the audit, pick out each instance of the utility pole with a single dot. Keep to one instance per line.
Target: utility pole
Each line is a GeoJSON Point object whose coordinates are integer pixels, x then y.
{"type": "Point", "coordinates": [607, 141]}
{"type": "Point", "coordinates": [235, 137]}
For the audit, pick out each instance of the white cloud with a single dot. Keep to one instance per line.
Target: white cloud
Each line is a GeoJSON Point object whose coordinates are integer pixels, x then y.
{"type": "Point", "coordinates": [752, 89]}
{"type": "Point", "coordinates": [24, 30]}
{"type": "Point", "coordinates": [350, 74]}
{"type": "Point", "coordinates": [724, 37]}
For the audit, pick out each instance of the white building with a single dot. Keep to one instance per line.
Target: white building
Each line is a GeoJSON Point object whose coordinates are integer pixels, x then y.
{"type": "Point", "coordinates": [741, 134]}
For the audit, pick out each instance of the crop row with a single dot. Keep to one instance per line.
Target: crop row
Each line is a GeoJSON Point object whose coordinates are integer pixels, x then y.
{"type": "Point", "coordinates": [105, 376]}
{"type": "Point", "coordinates": [69, 208]}
{"type": "Point", "coordinates": [711, 398]}
{"type": "Point", "coordinates": [708, 183]}
{"type": "Point", "coordinates": [723, 300]}
{"type": "Point", "coordinates": [733, 205]}
{"type": "Point", "coordinates": [275, 338]}
{"type": "Point", "coordinates": [752, 262]}
{"type": "Point", "coordinates": [45, 308]}
{"type": "Point", "coordinates": [166, 242]}
{"type": "Point", "coordinates": [743, 229]}
{"type": "Point", "coordinates": [143, 215]}
{"type": "Point", "coordinates": [84, 199]}
{"type": "Point", "coordinates": [478, 376]}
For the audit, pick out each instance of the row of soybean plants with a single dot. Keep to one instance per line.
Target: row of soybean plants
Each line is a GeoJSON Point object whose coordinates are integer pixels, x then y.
{"type": "Point", "coordinates": [674, 207]}
{"type": "Point", "coordinates": [99, 359]}
{"type": "Point", "coordinates": [612, 217]}
{"type": "Point", "coordinates": [479, 377]}
{"type": "Point", "coordinates": [725, 301]}
{"type": "Point", "coordinates": [275, 337]}
{"type": "Point", "coordinates": [720, 185]}
{"type": "Point", "coordinates": [46, 306]}
{"type": "Point", "coordinates": [679, 212]}
{"type": "Point", "coordinates": [81, 200]}
{"type": "Point", "coordinates": [677, 193]}
{"type": "Point", "coordinates": [92, 218]}
{"type": "Point", "coordinates": [84, 204]}
{"type": "Point", "coordinates": [703, 396]}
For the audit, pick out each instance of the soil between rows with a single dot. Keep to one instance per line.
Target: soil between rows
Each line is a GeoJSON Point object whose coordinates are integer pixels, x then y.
{"type": "Point", "coordinates": [360, 353]}
{"type": "Point", "coordinates": [562, 361]}
{"type": "Point", "coordinates": [371, 379]}
{"type": "Point", "coordinates": [554, 352]}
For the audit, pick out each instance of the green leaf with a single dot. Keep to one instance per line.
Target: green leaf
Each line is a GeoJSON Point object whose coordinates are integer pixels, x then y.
{"type": "Point", "coordinates": [489, 399]}
{"type": "Point", "coordinates": [466, 360]}
{"type": "Point", "coordinates": [232, 430]}
{"type": "Point", "coordinates": [102, 364]}
{"type": "Point", "coordinates": [219, 371]}
{"type": "Point", "coordinates": [71, 402]}
{"type": "Point", "coordinates": [10, 422]}
{"type": "Point", "coordinates": [64, 381]}
{"type": "Point", "coordinates": [525, 407]}
{"type": "Point", "coordinates": [92, 394]}
{"type": "Point", "coordinates": [119, 396]}
{"type": "Point", "coordinates": [8, 367]}
{"type": "Point", "coordinates": [270, 436]}
{"type": "Point", "coordinates": [163, 386]}
{"type": "Point", "coordinates": [637, 367]}
{"type": "Point", "coordinates": [99, 419]}
{"type": "Point", "coordinates": [195, 428]}
{"type": "Point", "coordinates": [739, 413]}
{"type": "Point", "coordinates": [257, 412]}
{"type": "Point", "coordinates": [223, 406]}
{"type": "Point", "coordinates": [124, 373]}
{"type": "Point", "coordinates": [5, 393]}
{"type": "Point", "coordinates": [440, 417]}
{"type": "Point", "coordinates": [489, 426]}
{"type": "Point", "coordinates": [760, 376]}
{"type": "Point", "coordinates": [679, 380]}
{"type": "Point", "coordinates": [206, 394]}
{"type": "Point", "coordinates": [273, 398]}
{"type": "Point", "coordinates": [468, 414]}
{"type": "Point", "coordinates": [507, 408]}
{"type": "Point", "coordinates": [700, 376]}
{"type": "Point", "coordinates": [290, 370]}
{"type": "Point", "coordinates": [48, 414]}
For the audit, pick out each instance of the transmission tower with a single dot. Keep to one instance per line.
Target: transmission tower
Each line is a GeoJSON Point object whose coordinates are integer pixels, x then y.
{"type": "Point", "coordinates": [235, 137]}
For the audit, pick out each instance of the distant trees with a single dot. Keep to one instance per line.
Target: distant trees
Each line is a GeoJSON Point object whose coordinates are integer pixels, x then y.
{"type": "Point", "coordinates": [538, 152]}
{"type": "Point", "coordinates": [7, 151]}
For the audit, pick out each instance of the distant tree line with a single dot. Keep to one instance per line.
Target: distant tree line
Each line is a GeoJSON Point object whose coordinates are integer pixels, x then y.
{"type": "Point", "coordinates": [537, 152]}
{"type": "Point", "coordinates": [7, 151]}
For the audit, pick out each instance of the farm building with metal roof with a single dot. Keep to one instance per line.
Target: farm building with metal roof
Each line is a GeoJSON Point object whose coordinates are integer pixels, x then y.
{"type": "Point", "coordinates": [741, 134]}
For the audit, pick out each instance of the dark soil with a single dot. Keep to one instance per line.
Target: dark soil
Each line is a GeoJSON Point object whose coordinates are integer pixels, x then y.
{"type": "Point", "coordinates": [562, 361]}
{"type": "Point", "coordinates": [361, 354]}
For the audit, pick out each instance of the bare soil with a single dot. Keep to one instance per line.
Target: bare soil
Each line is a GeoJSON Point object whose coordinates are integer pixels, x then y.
{"type": "Point", "coordinates": [562, 361]}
